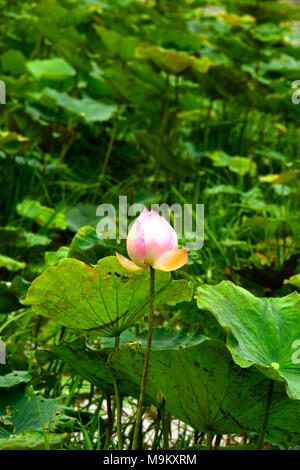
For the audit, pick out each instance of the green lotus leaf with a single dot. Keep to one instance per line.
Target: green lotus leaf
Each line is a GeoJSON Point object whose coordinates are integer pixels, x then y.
{"type": "Point", "coordinates": [42, 215]}
{"type": "Point", "coordinates": [293, 280]}
{"type": "Point", "coordinates": [14, 378]}
{"type": "Point", "coordinates": [87, 109]}
{"type": "Point", "coordinates": [87, 361]}
{"type": "Point", "coordinates": [264, 332]}
{"type": "Point", "coordinates": [82, 215]}
{"type": "Point", "coordinates": [53, 257]}
{"type": "Point", "coordinates": [11, 264]}
{"type": "Point", "coordinates": [86, 246]}
{"type": "Point", "coordinates": [200, 383]}
{"type": "Point", "coordinates": [19, 412]}
{"type": "Point", "coordinates": [13, 61]}
{"type": "Point", "coordinates": [117, 44]}
{"type": "Point", "coordinates": [55, 69]}
{"type": "Point", "coordinates": [105, 298]}
{"type": "Point", "coordinates": [32, 440]}
{"type": "Point", "coordinates": [240, 165]}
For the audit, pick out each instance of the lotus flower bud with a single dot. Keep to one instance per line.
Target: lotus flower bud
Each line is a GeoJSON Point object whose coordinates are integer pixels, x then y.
{"type": "Point", "coordinates": [152, 242]}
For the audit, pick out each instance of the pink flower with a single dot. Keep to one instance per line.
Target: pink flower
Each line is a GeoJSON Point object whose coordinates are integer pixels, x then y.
{"type": "Point", "coordinates": [152, 242]}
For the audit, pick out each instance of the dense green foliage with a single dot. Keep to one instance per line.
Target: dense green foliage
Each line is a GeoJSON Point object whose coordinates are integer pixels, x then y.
{"type": "Point", "coordinates": [185, 102]}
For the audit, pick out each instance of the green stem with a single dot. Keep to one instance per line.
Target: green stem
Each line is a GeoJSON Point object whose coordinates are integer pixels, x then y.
{"type": "Point", "coordinates": [110, 418]}
{"type": "Point", "coordinates": [208, 124]}
{"type": "Point", "coordinates": [260, 440]}
{"type": "Point", "coordinates": [146, 363]}
{"type": "Point", "coordinates": [209, 439]}
{"type": "Point", "coordinates": [62, 334]}
{"type": "Point", "coordinates": [118, 402]}
{"type": "Point", "coordinates": [45, 435]}
{"type": "Point", "coordinates": [156, 432]}
{"type": "Point", "coordinates": [165, 429]}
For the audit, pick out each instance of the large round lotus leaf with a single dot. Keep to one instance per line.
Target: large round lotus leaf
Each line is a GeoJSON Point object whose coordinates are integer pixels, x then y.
{"type": "Point", "coordinates": [105, 298]}
{"type": "Point", "coordinates": [264, 332]}
{"type": "Point", "coordinates": [203, 387]}
{"type": "Point", "coordinates": [19, 412]}
{"type": "Point", "coordinates": [198, 379]}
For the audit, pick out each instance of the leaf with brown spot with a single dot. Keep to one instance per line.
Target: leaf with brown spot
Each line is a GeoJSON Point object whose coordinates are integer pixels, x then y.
{"type": "Point", "coordinates": [105, 298]}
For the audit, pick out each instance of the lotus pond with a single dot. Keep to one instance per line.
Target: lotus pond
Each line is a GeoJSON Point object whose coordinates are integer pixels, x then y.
{"type": "Point", "coordinates": [154, 334]}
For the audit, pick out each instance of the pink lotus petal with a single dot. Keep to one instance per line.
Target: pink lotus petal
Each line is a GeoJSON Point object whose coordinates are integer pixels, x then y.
{"type": "Point", "coordinates": [135, 242]}
{"type": "Point", "coordinates": [171, 260]}
{"type": "Point", "coordinates": [127, 264]}
{"type": "Point", "coordinates": [159, 236]}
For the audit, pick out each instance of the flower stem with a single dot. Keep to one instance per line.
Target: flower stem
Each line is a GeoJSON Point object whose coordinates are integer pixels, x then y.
{"type": "Point", "coordinates": [110, 423]}
{"type": "Point", "coordinates": [165, 432]}
{"type": "Point", "coordinates": [260, 440]}
{"type": "Point", "coordinates": [118, 403]}
{"type": "Point", "coordinates": [146, 363]}
{"type": "Point", "coordinates": [209, 439]}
